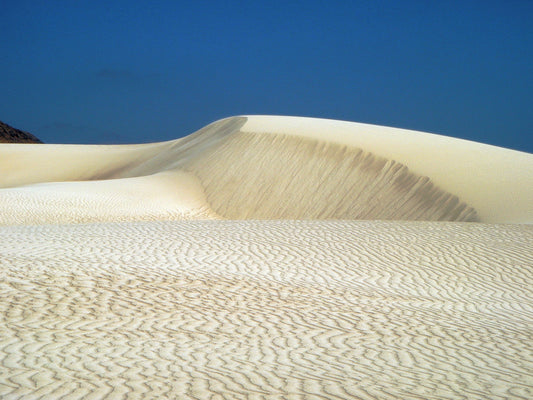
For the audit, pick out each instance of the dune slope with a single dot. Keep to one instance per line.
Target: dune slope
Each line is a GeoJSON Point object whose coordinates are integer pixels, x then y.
{"type": "Point", "coordinates": [282, 177]}
{"type": "Point", "coordinates": [254, 168]}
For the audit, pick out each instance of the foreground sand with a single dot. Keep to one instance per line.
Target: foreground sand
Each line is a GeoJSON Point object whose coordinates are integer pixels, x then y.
{"type": "Point", "coordinates": [267, 310]}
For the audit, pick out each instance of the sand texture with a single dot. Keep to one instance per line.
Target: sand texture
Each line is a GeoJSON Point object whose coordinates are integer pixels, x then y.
{"type": "Point", "coordinates": [267, 258]}
{"type": "Point", "coordinates": [267, 310]}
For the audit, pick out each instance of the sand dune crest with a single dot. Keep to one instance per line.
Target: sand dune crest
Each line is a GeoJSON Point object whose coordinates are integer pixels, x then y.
{"type": "Point", "coordinates": [242, 175]}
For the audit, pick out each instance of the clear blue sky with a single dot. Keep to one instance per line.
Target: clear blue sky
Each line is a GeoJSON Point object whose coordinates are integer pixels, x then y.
{"type": "Point", "coordinates": [141, 71]}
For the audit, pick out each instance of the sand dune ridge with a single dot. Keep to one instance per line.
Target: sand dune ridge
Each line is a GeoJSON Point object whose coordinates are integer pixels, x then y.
{"type": "Point", "coordinates": [269, 176]}
{"type": "Point", "coordinates": [239, 174]}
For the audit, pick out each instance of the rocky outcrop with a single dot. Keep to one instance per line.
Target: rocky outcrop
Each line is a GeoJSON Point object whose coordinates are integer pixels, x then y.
{"type": "Point", "coordinates": [8, 134]}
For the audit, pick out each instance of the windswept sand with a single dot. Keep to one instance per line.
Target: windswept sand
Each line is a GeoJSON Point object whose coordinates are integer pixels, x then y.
{"type": "Point", "coordinates": [266, 258]}
{"type": "Point", "coordinates": [267, 310]}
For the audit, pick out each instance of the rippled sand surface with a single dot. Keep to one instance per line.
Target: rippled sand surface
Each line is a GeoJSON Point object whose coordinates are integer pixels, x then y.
{"type": "Point", "coordinates": [266, 310]}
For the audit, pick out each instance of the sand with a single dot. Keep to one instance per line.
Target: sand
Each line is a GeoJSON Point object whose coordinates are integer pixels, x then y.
{"type": "Point", "coordinates": [277, 168]}
{"type": "Point", "coordinates": [261, 259]}
{"type": "Point", "coordinates": [267, 309]}
{"type": "Point", "coordinates": [495, 181]}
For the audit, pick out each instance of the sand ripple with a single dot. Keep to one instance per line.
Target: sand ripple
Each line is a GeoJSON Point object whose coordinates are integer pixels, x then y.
{"type": "Point", "coordinates": [266, 310]}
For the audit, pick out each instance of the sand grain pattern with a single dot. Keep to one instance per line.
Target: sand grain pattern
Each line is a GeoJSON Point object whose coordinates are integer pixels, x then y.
{"type": "Point", "coordinates": [266, 310]}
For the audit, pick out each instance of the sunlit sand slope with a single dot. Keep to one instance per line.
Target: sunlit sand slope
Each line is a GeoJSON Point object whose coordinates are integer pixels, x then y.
{"type": "Point", "coordinates": [497, 182]}
{"type": "Point", "coordinates": [269, 168]}
{"type": "Point", "coordinates": [168, 195]}
{"type": "Point", "coordinates": [266, 310]}
{"type": "Point", "coordinates": [300, 178]}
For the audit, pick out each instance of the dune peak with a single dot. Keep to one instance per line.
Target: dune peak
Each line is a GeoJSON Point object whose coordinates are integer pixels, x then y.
{"type": "Point", "coordinates": [267, 167]}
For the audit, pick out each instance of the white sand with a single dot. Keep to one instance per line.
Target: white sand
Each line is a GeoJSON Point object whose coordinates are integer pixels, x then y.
{"type": "Point", "coordinates": [497, 182]}
{"type": "Point", "coordinates": [267, 168]}
{"type": "Point", "coordinates": [267, 310]}
{"type": "Point", "coordinates": [169, 195]}
{"type": "Point", "coordinates": [311, 304]}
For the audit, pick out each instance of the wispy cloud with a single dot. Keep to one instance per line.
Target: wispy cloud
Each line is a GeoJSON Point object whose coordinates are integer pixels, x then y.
{"type": "Point", "coordinates": [114, 74]}
{"type": "Point", "coordinates": [67, 132]}
{"type": "Point", "coordinates": [64, 126]}
{"type": "Point", "coordinates": [124, 75]}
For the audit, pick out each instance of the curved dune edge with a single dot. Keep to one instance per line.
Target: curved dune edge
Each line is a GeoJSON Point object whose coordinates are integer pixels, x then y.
{"type": "Point", "coordinates": [266, 309]}
{"type": "Point", "coordinates": [271, 168]}
{"type": "Point", "coordinates": [241, 176]}
{"type": "Point", "coordinates": [497, 182]}
{"type": "Point", "coordinates": [24, 165]}
{"type": "Point", "coordinates": [168, 195]}
{"type": "Point", "coordinates": [268, 176]}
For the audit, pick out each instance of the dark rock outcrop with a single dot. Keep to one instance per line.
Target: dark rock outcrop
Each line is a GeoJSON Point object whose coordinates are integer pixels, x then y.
{"type": "Point", "coordinates": [8, 134]}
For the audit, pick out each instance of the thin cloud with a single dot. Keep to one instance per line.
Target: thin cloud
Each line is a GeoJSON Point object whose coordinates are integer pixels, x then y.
{"type": "Point", "coordinates": [86, 134]}
{"type": "Point", "coordinates": [63, 126]}
{"type": "Point", "coordinates": [112, 74]}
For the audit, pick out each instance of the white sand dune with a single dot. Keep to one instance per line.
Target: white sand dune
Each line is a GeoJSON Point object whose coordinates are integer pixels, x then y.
{"type": "Point", "coordinates": [122, 277]}
{"type": "Point", "coordinates": [272, 168]}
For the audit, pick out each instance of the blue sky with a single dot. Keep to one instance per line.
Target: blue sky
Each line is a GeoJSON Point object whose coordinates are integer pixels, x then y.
{"type": "Point", "coordinates": [142, 71]}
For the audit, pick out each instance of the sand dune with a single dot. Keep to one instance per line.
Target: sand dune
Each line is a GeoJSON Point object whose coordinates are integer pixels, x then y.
{"type": "Point", "coordinates": [122, 277]}
{"type": "Point", "coordinates": [276, 168]}
{"type": "Point", "coordinates": [267, 310]}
